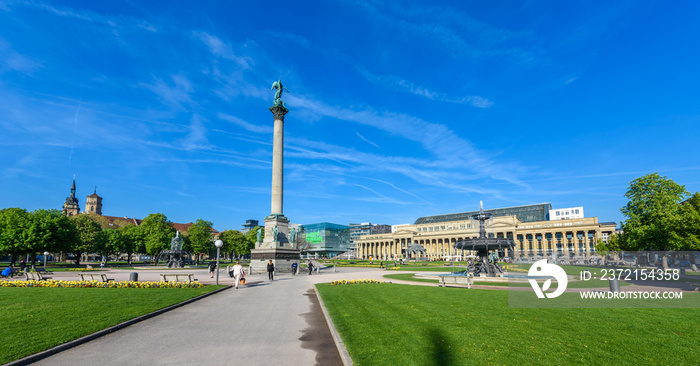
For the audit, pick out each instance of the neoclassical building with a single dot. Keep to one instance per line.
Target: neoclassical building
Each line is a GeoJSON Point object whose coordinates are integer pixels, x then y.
{"type": "Point", "coordinates": [529, 226]}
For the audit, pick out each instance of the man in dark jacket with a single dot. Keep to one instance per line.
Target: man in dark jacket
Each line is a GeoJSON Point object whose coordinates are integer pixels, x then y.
{"type": "Point", "coordinates": [311, 267]}
{"type": "Point", "coordinates": [270, 270]}
{"type": "Point", "coordinates": [212, 268]}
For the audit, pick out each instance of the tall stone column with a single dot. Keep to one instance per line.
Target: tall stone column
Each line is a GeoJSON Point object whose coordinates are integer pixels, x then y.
{"type": "Point", "coordinates": [277, 244]}
{"type": "Point", "coordinates": [278, 161]}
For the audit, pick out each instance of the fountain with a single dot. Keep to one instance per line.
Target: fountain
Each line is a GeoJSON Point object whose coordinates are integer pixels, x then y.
{"type": "Point", "coordinates": [175, 255]}
{"type": "Point", "coordinates": [487, 262]}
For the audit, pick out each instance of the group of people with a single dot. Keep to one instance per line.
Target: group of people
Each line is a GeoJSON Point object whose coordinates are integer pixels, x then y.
{"type": "Point", "coordinates": [237, 270]}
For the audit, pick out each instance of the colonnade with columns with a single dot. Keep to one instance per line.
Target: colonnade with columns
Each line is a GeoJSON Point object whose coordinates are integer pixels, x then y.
{"type": "Point", "coordinates": [541, 239]}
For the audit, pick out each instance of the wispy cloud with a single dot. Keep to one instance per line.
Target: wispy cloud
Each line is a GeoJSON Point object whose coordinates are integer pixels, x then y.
{"type": "Point", "coordinates": [112, 21]}
{"type": "Point", "coordinates": [222, 49]}
{"type": "Point", "coordinates": [244, 124]}
{"type": "Point", "coordinates": [400, 84]}
{"type": "Point", "coordinates": [197, 136]}
{"type": "Point", "coordinates": [450, 29]}
{"type": "Point", "coordinates": [175, 94]}
{"type": "Point", "coordinates": [449, 150]}
{"type": "Point", "coordinates": [365, 139]}
{"type": "Point", "coordinates": [12, 60]}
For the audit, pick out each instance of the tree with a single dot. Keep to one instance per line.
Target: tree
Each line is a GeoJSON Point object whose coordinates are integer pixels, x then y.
{"type": "Point", "coordinates": [157, 233]}
{"type": "Point", "coordinates": [111, 242]}
{"type": "Point", "coordinates": [87, 232]}
{"type": "Point", "coordinates": [134, 240]}
{"type": "Point", "coordinates": [252, 234]}
{"type": "Point", "coordinates": [685, 230]}
{"type": "Point", "coordinates": [15, 231]}
{"type": "Point", "coordinates": [200, 238]}
{"type": "Point", "coordinates": [52, 231]}
{"type": "Point", "coordinates": [651, 211]}
{"type": "Point", "coordinates": [236, 243]}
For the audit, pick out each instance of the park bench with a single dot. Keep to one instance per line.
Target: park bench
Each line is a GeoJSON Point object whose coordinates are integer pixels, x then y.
{"type": "Point", "coordinates": [696, 285]}
{"type": "Point", "coordinates": [34, 276]}
{"type": "Point", "coordinates": [179, 277]}
{"type": "Point", "coordinates": [99, 277]}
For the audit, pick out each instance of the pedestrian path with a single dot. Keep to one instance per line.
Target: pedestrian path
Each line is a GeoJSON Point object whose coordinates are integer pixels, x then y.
{"type": "Point", "coordinates": [264, 322]}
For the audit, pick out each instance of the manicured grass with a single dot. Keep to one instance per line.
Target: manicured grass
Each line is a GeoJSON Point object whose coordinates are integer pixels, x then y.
{"type": "Point", "coordinates": [409, 277]}
{"type": "Point", "coordinates": [571, 284]}
{"type": "Point", "coordinates": [36, 319]}
{"type": "Point", "coordinates": [389, 324]}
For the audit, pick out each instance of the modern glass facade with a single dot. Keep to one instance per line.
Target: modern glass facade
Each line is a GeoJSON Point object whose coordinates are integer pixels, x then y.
{"type": "Point", "coordinates": [327, 239]}
{"type": "Point", "coordinates": [527, 213]}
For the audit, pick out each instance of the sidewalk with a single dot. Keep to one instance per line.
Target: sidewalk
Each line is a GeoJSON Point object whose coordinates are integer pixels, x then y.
{"type": "Point", "coordinates": [261, 323]}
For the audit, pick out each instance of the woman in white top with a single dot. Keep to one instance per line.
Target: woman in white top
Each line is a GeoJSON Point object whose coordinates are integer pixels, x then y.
{"type": "Point", "coordinates": [238, 272]}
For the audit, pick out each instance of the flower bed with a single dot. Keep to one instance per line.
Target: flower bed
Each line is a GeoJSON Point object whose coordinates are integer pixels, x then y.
{"type": "Point", "coordinates": [355, 282]}
{"type": "Point", "coordinates": [96, 284]}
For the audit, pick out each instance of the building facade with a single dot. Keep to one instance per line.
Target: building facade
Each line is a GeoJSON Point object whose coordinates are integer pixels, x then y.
{"type": "Point", "coordinates": [536, 238]}
{"type": "Point", "coordinates": [327, 239]}
{"type": "Point", "coordinates": [71, 207]}
{"type": "Point", "coordinates": [93, 204]}
{"type": "Point", "coordinates": [566, 213]}
{"type": "Point", "coordinates": [249, 225]}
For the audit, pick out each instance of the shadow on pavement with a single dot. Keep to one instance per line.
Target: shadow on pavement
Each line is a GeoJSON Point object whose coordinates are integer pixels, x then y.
{"type": "Point", "coordinates": [317, 336]}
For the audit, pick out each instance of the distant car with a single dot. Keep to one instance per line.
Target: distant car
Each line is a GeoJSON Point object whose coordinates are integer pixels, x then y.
{"type": "Point", "coordinates": [683, 263]}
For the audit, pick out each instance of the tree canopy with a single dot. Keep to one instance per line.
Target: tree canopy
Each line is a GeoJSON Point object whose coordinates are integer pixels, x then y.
{"type": "Point", "coordinates": [157, 233]}
{"type": "Point", "coordinates": [655, 217]}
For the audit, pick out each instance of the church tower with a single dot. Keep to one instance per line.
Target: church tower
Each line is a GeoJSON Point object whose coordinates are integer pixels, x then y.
{"type": "Point", "coordinates": [94, 203]}
{"type": "Point", "coordinates": [71, 207]}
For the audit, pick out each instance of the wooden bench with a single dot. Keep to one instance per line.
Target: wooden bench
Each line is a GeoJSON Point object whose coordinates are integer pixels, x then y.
{"type": "Point", "coordinates": [696, 285]}
{"type": "Point", "coordinates": [99, 277]}
{"type": "Point", "coordinates": [180, 277]}
{"type": "Point", "coordinates": [34, 276]}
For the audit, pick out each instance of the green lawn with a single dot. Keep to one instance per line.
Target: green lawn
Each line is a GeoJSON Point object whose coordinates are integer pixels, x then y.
{"type": "Point", "coordinates": [390, 324]}
{"type": "Point", "coordinates": [409, 277]}
{"type": "Point", "coordinates": [36, 319]}
{"type": "Point", "coordinates": [571, 284]}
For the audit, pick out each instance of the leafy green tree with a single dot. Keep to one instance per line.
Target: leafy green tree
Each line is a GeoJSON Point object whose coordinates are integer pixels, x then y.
{"type": "Point", "coordinates": [652, 209]}
{"type": "Point", "coordinates": [200, 238]}
{"type": "Point", "coordinates": [15, 231]}
{"type": "Point", "coordinates": [52, 231]}
{"type": "Point", "coordinates": [134, 240]}
{"type": "Point", "coordinates": [110, 242]}
{"type": "Point", "coordinates": [686, 228]}
{"type": "Point", "coordinates": [157, 233]}
{"type": "Point", "coordinates": [87, 233]}
{"type": "Point", "coordinates": [236, 243]}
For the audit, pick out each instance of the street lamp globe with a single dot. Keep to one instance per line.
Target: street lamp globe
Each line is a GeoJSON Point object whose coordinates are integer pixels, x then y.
{"type": "Point", "coordinates": [219, 243]}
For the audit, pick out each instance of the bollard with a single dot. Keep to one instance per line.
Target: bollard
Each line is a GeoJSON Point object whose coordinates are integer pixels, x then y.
{"type": "Point", "coordinates": [134, 276]}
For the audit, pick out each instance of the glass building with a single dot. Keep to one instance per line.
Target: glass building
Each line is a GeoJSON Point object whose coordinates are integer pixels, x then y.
{"type": "Point", "coordinates": [326, 239]}
{"type": "Point", "coordinates": [527, 213]}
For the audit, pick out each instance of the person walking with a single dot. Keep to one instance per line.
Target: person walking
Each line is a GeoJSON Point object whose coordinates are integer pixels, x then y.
{"type": "Point", "coordinates": [238, 272]}
{"type": "Point", "coordinates": [311, 267]}
{"type": "Point", "coordinates": [22, 265]}
{"type": "Point", "coordinates": [270, 270]}
{"type": "Point", "coordinates": [294, 268]}
{"type": "Point", "coordinates": [212, 268]}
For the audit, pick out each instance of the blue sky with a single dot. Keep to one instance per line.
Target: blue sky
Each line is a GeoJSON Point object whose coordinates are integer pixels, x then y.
{"type": "Point", "coordinates": [397, 110]}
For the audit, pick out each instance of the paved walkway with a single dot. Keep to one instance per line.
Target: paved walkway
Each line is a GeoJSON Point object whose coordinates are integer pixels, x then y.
{"type": "Point", "coordinates": [262, 323]}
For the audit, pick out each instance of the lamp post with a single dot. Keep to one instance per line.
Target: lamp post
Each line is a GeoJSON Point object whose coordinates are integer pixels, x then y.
{"type": "Point", "coordinates": [218, 244]}
{"type": "Point", "coordinates": [45, 255]}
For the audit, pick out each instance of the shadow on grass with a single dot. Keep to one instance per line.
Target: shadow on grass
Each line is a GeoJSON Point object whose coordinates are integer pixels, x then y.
{"type": "Point", "coordinates": [442, 349]}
